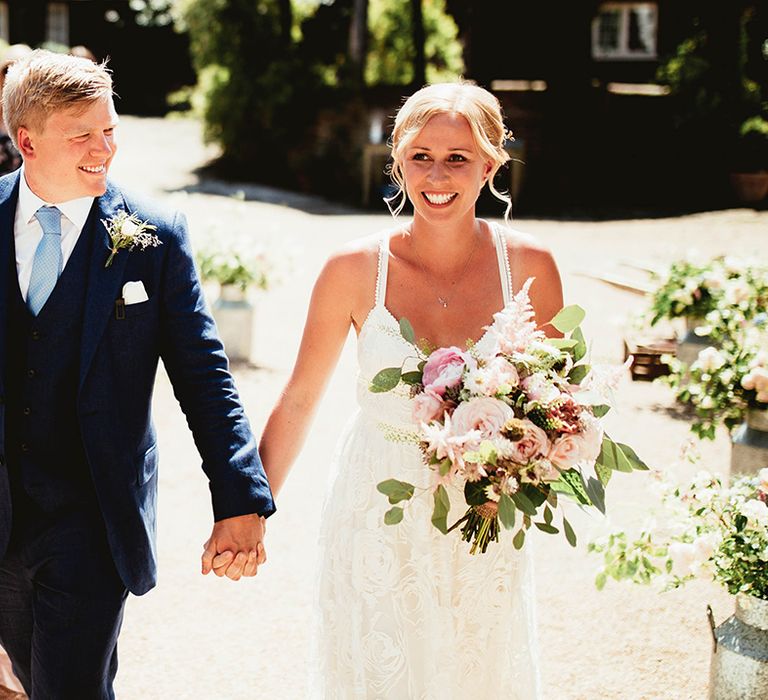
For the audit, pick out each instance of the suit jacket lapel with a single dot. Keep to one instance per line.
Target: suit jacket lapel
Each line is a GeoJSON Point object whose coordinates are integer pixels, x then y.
{"type": "Point", "coordinates": [8, 198]}
{"type": "Point", "coordinates": [103, 282]}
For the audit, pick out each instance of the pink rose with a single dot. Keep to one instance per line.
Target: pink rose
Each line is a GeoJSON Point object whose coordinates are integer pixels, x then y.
{"type": "Point", "coordinates": [484, 414]}
{"type": "Point", "coordinates": [534, 443]}
{"type": "Point", "coordinates": [427, 406]}
{"type": "Point", "coordinates": [571, 449]}
{"type": "Point", "coordinates": [443, 369]}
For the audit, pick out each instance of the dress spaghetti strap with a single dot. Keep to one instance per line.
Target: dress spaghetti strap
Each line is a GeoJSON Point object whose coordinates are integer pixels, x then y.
{"type": "Point", "coordinates": [505, 273]}
{"type": "Point", "coordinates": [381, 273]}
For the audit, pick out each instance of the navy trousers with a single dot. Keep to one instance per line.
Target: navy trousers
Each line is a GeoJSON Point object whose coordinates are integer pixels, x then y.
{"type": "Point", "coordinates": [61, 606]}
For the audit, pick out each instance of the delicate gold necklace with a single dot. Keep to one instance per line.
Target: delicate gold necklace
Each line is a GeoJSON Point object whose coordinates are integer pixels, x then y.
{"type": "Point", "coordinates": [444, 299]}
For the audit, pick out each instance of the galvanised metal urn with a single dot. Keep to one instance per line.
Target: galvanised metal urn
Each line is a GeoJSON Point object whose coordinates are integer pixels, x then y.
{"type": "Point", "coordinates": [749, 444]}
{"type": "Point", "coordinates": [739, 669]}
{"type": "Point", "coordinates": [690, 345]}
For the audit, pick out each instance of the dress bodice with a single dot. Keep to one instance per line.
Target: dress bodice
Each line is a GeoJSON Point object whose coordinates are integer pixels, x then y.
{"type": "Point", "coordinates": [380, 344]}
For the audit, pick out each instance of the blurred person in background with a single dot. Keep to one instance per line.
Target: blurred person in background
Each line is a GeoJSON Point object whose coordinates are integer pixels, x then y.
{"type": "Point", "coordinates": [10, 159]}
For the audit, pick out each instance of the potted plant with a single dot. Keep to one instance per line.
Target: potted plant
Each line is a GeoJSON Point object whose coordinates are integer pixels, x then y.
{"type": "Point", "coordinates": [750, 168]}
{"type": "Point", "coordinates": [714, 298]}
{"type": "Point", "coordinates": [729, 386]}
{"type": "Point", "coordinates": [237, 267]}
{"type": "Point", "coordinates": [718, 531]}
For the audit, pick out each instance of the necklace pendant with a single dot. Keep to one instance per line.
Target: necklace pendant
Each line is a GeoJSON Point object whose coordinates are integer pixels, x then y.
{"type": "Point", "coordinates": [443, 302]}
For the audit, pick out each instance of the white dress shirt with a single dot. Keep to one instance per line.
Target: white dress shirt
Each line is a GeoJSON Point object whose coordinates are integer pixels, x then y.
{"type": "Point", "coordinates": [28, 233]}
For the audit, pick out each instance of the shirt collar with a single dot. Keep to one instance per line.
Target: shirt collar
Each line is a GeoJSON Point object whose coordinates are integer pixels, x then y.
{"type": "Point", "coordinates": [76, 210]}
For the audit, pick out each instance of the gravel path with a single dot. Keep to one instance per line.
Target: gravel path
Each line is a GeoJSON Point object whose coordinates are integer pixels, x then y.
{"type": "Point", "coordinates": [196, 637]}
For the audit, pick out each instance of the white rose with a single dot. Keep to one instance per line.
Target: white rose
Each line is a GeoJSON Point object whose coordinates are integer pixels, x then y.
{"type": "Point", "coordinates": [683, 556]}
{"type": "Point", "coordinates": [128, 228]}
{"type": "Point", "coordinates": [710, 359]}
{"type": "Point", "coordinates": [756, 512]}
{"type": "Point", "coordinates": [704, 547]}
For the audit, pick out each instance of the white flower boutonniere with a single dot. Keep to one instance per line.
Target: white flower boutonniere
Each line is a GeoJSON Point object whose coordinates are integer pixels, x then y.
{"type": "Point", "coordinates": [128, 232]}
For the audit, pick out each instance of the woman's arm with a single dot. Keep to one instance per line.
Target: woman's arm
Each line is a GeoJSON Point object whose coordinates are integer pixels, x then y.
{"type": "Point", "coordinates": [341, 283]}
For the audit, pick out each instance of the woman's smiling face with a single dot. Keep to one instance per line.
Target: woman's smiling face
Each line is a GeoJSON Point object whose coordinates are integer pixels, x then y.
{"type": "Point", "coordinates": [444, 169]}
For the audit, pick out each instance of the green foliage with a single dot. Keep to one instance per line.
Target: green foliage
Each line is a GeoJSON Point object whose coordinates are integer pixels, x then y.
{"type": "Point", "coordinates": [752, 146]}
{"type": "Point", "coordinates": [391, 52]}
{"type": "Point", "coordinates": [230, 263]}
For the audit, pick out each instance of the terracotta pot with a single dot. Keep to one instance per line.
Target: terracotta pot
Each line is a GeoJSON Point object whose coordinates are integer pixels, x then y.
{"type": "Point", "coordinates": [750, 188]}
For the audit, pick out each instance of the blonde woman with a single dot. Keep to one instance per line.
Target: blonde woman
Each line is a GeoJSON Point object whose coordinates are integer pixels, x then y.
{"type": "Point", "coordinates": [406, 612]}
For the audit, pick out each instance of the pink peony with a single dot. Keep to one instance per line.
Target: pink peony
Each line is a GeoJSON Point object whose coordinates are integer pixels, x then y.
{"type": "Point", "coordinates": [571, 449]}
{"type": "Point", "coordinates": [427, 406]}
{"type": "Point", "coordinates": [484, 414]}
{"type": "Point", "coordinates": [443, 369]}
{"type": "Point", "coordinates": [534, 443]}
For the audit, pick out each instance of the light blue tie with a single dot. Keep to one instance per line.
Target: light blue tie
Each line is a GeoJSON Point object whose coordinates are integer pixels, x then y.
{"type": "Point", "coordinates": [46, 267]}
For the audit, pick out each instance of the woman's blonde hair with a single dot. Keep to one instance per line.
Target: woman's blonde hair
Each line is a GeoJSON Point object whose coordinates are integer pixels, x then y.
{"type": "Point", "coordinates": [43, 82]}
{"type": "Point", "coordinates": [479, 107]}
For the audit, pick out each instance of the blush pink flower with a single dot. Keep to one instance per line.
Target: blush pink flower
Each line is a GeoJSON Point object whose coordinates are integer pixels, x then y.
{"type": "Point", "coordinates": [534, 443]}
{"type": "Point", "coordinates": [483, 414]}
{"type": "Point", "coordinates": [757, 379]}
{"type": "Point", "coordinates": [571, 449]}
{"type": "Point", "coordinates": [427, 406]}
{"type": "Point", "coordinates": [443, 369]}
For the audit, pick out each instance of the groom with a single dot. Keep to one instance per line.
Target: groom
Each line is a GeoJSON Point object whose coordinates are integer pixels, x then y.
{"type": "Point", "coordinates": [80, 341]}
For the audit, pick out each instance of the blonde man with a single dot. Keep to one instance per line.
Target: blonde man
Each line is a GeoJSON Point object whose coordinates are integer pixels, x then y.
{"type": "Point", "coordinates": [81, 332]}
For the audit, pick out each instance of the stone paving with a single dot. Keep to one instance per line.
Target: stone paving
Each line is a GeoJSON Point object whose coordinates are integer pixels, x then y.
{"type": "Point", "coordinates": [203, 637]}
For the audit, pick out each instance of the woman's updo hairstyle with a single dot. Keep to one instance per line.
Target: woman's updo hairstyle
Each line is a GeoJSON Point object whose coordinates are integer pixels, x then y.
{"type": "Point", "coordinates": [479, 107]}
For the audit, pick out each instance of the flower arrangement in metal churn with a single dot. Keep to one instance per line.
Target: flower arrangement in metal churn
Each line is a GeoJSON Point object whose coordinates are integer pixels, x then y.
{"type": "Point", "coordinates": [515, 428]}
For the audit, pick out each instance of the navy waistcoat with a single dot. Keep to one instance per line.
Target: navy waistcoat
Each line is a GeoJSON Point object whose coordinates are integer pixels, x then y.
{"type": "Point", "coordinates": [46, 459]}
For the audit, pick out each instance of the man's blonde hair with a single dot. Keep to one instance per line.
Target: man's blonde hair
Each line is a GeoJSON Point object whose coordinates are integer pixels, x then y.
{"type": "Point", "coordinates": [44, 82]}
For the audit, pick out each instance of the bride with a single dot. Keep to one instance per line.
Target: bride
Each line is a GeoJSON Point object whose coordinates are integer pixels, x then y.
{"type": "Point", "coordinates": [404, 611]}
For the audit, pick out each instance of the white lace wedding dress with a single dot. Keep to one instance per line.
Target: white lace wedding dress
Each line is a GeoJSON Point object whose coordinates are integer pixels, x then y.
{"type": "Point", "coordinates": [404, 611]}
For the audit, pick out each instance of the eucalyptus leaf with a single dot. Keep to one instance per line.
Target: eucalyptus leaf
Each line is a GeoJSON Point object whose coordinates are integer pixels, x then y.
{"type": "Point", "coordinates": [619, 457]}
{"type": "Point", "coordinates": [578, 373]}
{"type": "Point", "coordinates": [444, 466]}
{"type": "Point", "coordinates": [568, 318]}
{"type": "Point", "coordinates": [603, 473]}
{"type": "Point", "coordinates": [535, 495]}
{"type": "Point", "coordinates": [600, 410]}
{"type": "Point", "coordinates": [393, 516]}
{"type": "Point", "coordinates": [386, 380]}
{"type": "Point", "coordinates": [411, 377]}
{"type": "Point", "coordinates": [519, 539]}
{"type": "Point", "coordinates": [548, 515]}
{"type": "Point", "coordinates": [581, 345]}
{"type": "Point", "coordinates": [406, 330]}
{"type": "Point", "coordinates": [549, 529]}
{"type": "Point", "coordinates": [506, 511]}
{"type": "Point", "coordinates": [570, 535]}
{"type": "Point", "coordinates": [474, 492]}
{"type": "Point", "coordinates": [523, 503]}
{"type": "Point", "coordinates": [440, 512]}
{"type": "Point", "coordinates": [396, 490]}
{"type": "Point", "coordinates": [596, 493]}
{"type": "Point", "coordinates": [571, 483]}
{"type": "Point", "coordinates": [562, 343]}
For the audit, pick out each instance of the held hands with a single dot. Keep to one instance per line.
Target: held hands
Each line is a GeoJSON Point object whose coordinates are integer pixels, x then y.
{"type": "Point", "coordinates": [235, 547]}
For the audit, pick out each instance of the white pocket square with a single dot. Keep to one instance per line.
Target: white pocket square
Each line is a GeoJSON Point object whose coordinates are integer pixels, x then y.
{"type": "Point", "coordinates": [134, 293]}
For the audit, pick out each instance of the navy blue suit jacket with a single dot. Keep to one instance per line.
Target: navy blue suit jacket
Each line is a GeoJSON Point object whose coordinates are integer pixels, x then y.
{"type": "Point", "coordinates": [118, 363]}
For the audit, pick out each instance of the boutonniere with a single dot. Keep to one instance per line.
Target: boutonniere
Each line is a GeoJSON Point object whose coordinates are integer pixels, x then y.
{"type": "Point", "coordinates": [128, 232]}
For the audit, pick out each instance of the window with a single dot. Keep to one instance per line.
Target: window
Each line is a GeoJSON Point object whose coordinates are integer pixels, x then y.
{"type": "Point", "coordinates": [625, 31]}
{"type": "Point", "coordinates": [57, 25]}
{"type": "Point", "coordinates": [4, 28]}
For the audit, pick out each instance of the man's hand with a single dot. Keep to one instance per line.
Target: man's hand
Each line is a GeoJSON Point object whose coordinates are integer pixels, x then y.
{"type": "Point", "coordinates": [235, 547]}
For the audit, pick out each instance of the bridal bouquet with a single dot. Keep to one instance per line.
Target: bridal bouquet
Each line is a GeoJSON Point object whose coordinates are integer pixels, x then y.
{"type": "Point", "coordinates": [516, 427]}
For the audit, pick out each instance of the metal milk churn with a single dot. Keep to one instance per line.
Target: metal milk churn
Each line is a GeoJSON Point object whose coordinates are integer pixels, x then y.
{"type": "Point", "coordinates": [749, 451]}
{"type": "Point", "coordinates": [739, 668]}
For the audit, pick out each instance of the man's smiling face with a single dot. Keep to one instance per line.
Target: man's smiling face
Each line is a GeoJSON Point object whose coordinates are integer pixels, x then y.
{"type": "Point", "coordinates": [69, 156]}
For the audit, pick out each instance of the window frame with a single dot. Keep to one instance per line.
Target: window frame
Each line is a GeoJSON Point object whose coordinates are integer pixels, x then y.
{"type": "Point", "coordinates": [623, 52]}
{"type": "Point", "coordinates": [57, 23]}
